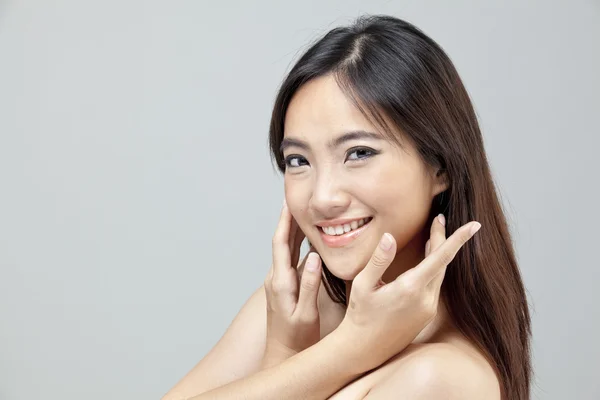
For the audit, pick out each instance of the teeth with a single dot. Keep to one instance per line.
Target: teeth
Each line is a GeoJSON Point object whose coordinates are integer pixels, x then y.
{"type": "Point", "coordinates": [341, 229]}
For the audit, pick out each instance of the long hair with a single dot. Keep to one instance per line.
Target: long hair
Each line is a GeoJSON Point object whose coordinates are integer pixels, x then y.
{"type": "Point", "coordinates": [398, 76]}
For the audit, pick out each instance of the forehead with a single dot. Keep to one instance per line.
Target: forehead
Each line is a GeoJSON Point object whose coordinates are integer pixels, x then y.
{"type": "Point", "coordinates": [319, 107]}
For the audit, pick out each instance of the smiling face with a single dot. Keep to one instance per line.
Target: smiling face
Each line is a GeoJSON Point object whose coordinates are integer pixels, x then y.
{"type": "Point", "coordinates": [342, 172]}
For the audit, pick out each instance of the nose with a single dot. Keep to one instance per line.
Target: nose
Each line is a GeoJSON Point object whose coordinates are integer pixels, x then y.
{"type": "Point", "coordinates": [329, 199]}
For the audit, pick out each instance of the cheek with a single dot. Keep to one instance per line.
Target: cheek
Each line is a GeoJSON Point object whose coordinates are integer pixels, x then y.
{"type": "Point", "coordinates": [392, 190]}
{"type": "Point", "coordinates": [297, 197]}
{"type": "Point", "coordinates": [295, 193]}
{"type": "Point", "coordinates": [402, 203]}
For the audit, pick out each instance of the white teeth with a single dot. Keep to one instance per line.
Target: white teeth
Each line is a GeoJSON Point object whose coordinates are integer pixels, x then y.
{"type": "Point", "coordinates": [341, 229]}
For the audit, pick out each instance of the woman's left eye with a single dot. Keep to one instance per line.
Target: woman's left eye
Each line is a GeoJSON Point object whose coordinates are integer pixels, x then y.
{"type": "Point", "coordinates": [360, 153]}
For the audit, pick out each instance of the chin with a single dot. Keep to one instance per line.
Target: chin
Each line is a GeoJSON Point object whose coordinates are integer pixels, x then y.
{"type": "Point", "coordinates": [345, 263]}
{"type": "Point", "coordinates": [345, 268]}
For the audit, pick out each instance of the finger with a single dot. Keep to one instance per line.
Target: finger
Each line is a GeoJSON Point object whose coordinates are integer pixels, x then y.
{"type": "Point", "coordinates": [296, 240]}
{"type": "Point", "coordinates": [427, 247]}
{"type": "Point", "coordinates": [281, 253]}
{"type": "Point", "coordinates": [309, 286]}
{"type": "Point", "coordinates": [293, 232]}
{"type": "Point", "coordinates": [382, 257]}
{"type": "Point", "coordinates": [435, 285]}
{"type": "Point", "coordinates": [437, 238]}
{"type": "Point", "coordinates": [437, 235]}
{"type": "Point", "coordinates": [438, 231]}
{"type": "Point", "coordinates": [302, 264]}
{"type": "Point", "coordinates": [437, 261]}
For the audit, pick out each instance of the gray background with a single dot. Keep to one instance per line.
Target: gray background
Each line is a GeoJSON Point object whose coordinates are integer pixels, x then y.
{"type": "Point", "coordinates": [137, 198]}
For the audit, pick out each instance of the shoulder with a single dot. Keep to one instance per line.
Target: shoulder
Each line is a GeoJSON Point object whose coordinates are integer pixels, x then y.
{"type": "Point", "coordinates": [438, 371]}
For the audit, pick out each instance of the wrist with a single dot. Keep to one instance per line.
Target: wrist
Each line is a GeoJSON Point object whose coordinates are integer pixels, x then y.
{"type": "Point", "coordinates": [346, 351]}
{"type": "Point", "coordinates": [275, 354]}
{"type": "Point", "coordinates": [362, 351]}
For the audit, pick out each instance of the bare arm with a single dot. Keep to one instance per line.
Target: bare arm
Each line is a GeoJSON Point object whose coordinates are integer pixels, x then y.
{"type": "Point", "coordinates": [239, 353]}
{"type": "Point", "coordinates": [336, 360]}
{"type": "Point", "coordinates": [236, 355]}
{"type": "Point", "coordinates": [313, 374]}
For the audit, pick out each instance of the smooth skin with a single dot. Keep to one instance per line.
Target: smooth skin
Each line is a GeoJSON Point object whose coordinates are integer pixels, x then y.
{"type": "Point", "coordinates": [322, 369]}
{"type": "Point", "coordinates": [280, 346]}
{"type": "Point", "coordinates": [338, 166]}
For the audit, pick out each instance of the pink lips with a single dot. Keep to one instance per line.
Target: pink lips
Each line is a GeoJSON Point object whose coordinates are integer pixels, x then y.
{"type": "Point", "coordinates": [342, 240]}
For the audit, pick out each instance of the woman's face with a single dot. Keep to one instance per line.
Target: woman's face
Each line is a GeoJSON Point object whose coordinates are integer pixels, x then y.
{"type": "Point", "coordinates": [338, 180]}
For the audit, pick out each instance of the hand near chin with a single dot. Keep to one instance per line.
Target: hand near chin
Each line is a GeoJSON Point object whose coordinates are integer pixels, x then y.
{"type": "Point", "coordinates": [382, 319]}
{"type": "Point", "coordinates": [293, 322]}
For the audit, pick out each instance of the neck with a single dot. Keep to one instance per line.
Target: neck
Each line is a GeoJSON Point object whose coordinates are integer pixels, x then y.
{"type": "Point", "coordinates": [410, 256]}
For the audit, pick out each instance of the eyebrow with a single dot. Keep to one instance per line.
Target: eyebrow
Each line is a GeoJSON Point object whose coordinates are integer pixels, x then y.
{"type": "Point", "coordinates": [336, 142]}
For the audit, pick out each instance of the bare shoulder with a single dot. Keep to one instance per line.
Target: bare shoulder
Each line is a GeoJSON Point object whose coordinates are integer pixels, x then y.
{"type": "Point", "coordinates": [438, 371]}
{"type": "Point", "coordinates": [239, 352]}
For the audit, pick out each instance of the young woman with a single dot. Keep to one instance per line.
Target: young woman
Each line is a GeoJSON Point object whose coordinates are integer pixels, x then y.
{"type": "Point", "coordinates": [382, 155]}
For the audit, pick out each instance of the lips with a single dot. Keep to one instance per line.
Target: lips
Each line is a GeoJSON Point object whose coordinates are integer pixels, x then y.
{"type": "Point", "coordinates": [346, 238]}
{"type": "Point", "coordinates": [336, 230]}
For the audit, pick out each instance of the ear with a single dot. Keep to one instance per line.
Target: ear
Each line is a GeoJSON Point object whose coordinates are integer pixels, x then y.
{"type": "Point", "coordinates": [441, 182]}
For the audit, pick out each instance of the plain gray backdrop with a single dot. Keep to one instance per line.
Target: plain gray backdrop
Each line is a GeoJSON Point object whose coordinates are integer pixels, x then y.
{"type": "Point", "coordinates": [138, 200]}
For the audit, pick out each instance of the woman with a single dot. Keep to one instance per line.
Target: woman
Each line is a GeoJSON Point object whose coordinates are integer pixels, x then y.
{"type": "Point", "coordinates": [378, 140]}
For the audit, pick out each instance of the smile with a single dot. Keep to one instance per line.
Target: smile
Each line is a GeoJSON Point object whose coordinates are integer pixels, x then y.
{"type": "Point", "coordinates": [342, 234]}
{"type": "Point", "coordinates": [345, 228]}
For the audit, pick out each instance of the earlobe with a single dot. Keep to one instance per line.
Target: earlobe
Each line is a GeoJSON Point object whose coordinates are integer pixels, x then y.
{"type": "Point", "coordinates": [442, 182]}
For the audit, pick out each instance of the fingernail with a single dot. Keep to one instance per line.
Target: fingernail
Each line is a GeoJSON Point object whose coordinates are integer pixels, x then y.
{"type": "Point", "coordinates": [442, 219]}
{"type": "Point", "coordinates": [312, 262]}
{"type": "Point", "coordinates": [475, 228]}
{"type": "Point", "coordinates": [386, 242]}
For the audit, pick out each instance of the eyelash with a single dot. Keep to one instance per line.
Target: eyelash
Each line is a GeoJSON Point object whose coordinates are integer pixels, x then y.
{"type": "Point", "coordinates": [370, 152]}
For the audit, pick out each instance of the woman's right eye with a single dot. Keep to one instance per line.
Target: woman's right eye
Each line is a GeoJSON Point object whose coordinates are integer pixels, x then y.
{"type": "Point", "coordinates": [295, 161]}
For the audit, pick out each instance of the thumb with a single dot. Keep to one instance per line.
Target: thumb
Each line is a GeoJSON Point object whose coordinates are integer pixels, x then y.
{"type": "Point", "coordinates": [370, 276]}
{"type": "Point", "coordinates": [309, 286]}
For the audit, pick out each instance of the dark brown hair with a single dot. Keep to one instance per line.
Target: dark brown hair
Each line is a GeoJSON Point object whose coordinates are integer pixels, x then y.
{"type": "Point", "coordinates": [396, 75]}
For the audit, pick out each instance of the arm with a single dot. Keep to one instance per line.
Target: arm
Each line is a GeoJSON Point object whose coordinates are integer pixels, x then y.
{"type": "Point", "coordinates": [241, 350]}
{"type": "Point", "coordinates": [313, 374]}
{"type": "Point", "coordinates": [236, 355]}
{"type": "Point", "coordinates": [328, 365]}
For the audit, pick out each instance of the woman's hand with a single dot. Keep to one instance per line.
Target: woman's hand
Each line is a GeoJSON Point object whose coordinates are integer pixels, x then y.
{"type": "Point", "coordinates": [292, 313]}
{"type": "Point", "coordinates": [382, 319]}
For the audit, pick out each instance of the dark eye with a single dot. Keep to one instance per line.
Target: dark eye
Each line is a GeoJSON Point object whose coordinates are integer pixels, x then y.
{"type": "Point", "coordinates": [360, 153]}
{"type": "Point", "coordinates": [295, 161]}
